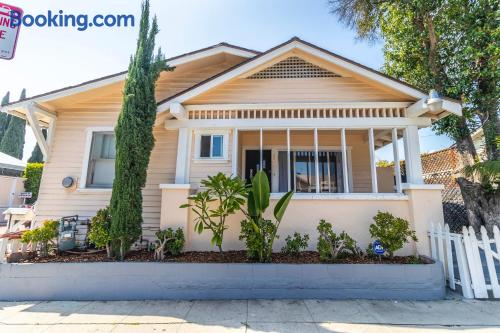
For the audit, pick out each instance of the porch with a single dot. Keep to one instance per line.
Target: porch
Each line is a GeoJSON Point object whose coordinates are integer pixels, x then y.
{"type": "Point", "coordinates": [325, 154]}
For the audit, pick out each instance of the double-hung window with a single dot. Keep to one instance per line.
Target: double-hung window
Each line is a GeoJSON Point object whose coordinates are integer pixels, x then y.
{"type": "Point", "coordinates": [211, 146]}
{"type": "Point", "coordinates": [101, 162]}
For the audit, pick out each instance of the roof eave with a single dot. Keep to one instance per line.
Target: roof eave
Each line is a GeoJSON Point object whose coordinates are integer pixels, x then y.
{"type": "Point", "coordinates": [121, 76]}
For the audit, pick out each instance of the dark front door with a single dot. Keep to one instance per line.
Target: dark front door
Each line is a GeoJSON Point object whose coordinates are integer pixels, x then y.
{"type": "Point", "coordinates": [252, 163]}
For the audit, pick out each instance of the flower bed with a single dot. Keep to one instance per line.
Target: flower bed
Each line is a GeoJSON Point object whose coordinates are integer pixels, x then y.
{"type": "Point", "coordinates": [306, 257]}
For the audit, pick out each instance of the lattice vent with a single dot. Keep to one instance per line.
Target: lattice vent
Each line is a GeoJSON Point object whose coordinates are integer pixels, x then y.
{"type": "Point", "coordinates": [292, 68]}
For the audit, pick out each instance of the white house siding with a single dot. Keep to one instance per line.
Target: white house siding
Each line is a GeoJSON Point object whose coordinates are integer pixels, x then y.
{"type": "Point", "coordinates": [66, 160]}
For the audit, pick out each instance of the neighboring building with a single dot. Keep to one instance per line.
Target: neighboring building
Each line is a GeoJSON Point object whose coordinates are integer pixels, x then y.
{"type": "Point", "coordinates": [442, 167]}
{"type": "Point", "coordinates": [478, 140]}
{"type": "Point", "coordinates": [308, 117]}
{"type": "Point", "coordinates": [11, 184]}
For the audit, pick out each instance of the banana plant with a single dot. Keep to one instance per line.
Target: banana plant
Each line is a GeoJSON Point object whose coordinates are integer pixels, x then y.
{"type": "Point", "coordinates": [258, 232]}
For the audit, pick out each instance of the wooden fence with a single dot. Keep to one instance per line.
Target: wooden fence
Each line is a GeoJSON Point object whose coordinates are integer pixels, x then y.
{"type": "Point", "coordinates": [475, 260]}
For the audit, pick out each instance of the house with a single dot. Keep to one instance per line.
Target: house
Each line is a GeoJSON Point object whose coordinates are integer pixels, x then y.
{"type": "Point", "coordinates": [11, 184]}
{"type": "Point", "coordinates": [308, 117]}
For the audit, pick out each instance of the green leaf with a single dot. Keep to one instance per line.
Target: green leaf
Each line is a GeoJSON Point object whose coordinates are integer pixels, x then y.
{"type": "Point", "coordinates": [252, 211]}
{"type": "Point", "coordinates": [185, 206]}
{"type": "Point", "coordinates": [280, 208]}
{"type": "Point", "coordinates": [199, 227]}
{"type": "Point", "coordinates": [261, 191]}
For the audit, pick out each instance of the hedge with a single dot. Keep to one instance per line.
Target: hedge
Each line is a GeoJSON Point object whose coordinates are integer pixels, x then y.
{"type": "Point", "coordinates": [33, 175]}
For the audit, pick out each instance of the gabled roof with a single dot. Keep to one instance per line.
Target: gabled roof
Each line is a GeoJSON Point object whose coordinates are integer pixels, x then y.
{"type": "Point", "coordinates": [113, 78]}
{"type": "Point", "coordinates": [297, 43]}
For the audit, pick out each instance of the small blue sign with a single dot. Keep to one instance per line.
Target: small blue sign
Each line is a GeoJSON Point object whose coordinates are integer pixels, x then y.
{"type": "Point", "coordinates": [378, 248]}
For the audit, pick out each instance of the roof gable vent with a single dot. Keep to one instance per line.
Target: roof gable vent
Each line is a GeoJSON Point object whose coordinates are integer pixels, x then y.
{"type": "Point", "coordinates": [292, 68]}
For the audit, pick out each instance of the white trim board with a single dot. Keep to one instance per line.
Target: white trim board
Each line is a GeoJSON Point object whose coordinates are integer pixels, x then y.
{"type": "Point", "coordinates": [305, 105]}
{"type": "Point", "coordinates": [320, 123]}
{"type": "Point", "coordinates": [344, 196]}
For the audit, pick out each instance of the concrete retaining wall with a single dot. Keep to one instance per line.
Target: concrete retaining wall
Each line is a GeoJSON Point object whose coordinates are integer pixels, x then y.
{"type": "Point", "coordinates": [138, 281]}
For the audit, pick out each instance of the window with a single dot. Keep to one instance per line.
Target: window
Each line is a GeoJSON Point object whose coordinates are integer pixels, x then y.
{"type": "Point", "coordinates": [101, 164]}
{"type": "Point", "coordinates": [211, 146]}
{"type": "Point", "coordinates": [303, 171]}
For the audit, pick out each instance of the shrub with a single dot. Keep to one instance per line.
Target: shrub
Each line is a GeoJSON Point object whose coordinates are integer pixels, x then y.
{"type": "Point", "coordinates": [293, 246]}
{"type": "Point", "coordinates": [44, 235]}
{"type": "Point", "coordinates": [393, 232]}
{"type": "Point", "coordinates": [99, 230]}
{"type": "Point", "coordinates": [261, 242]}
{"type": "Point", "coordinates": [33, 175]}
{"type": "Point", "coordinates": [258, 233]}
{"type": "Point", "coordinates": [169, 242]}
{"type": "Point", "coordinates": [331, 246]}
{"type": "Point", "coordinates": [229, 192]}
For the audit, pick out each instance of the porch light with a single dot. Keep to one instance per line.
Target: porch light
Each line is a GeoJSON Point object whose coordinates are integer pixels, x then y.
{"type": "Point", "coordinates": [434, 102]}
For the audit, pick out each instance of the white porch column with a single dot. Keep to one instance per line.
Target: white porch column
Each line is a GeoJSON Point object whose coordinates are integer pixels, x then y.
{"type": "Point", "coordinates": [289, 168]}
{"type": "Point", "coordinates": [413, 161]}
{"type": "Point", "coordinates": [316, 159]}
{"type": "Point", "coordinates": [345, 174]}
{"type": "Point", "coordinates": [183, 152]}
{"type": "Point", "coordinates": [397, 168]}
{"type": "Point", "coordinates": [373, 166]}
{"type": "Point", "coordinates": [234, 165]}
{"type": "Point", "coordinates": [261, 156]}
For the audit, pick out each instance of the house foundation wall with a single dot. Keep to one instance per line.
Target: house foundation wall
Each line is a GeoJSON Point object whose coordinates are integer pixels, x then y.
{"type": "Point", "coordinates": [353, 214]}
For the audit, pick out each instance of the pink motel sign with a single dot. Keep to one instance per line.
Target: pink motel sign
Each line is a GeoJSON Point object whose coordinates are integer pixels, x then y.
{"type": "Point", "coordinates": [8, 30]}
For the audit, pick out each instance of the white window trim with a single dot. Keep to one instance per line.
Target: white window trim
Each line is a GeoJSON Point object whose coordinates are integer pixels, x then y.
{"type": "Point", "coordinates": [274, 159]}
{"type": "Point", "coordinates": [89, 132]}
{"type": "Point", "coordinates": [225, 146]}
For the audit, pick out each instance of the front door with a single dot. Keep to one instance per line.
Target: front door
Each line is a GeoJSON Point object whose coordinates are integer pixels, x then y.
{"type": "Point", "coordinates": [252, 164]}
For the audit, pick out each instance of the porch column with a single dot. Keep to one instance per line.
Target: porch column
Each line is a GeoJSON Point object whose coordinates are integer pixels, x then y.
{"type": "Point", "coordinates": [316, 159]}
{"type": "Point", "coordinates": [373, 166]}
{"type": "Point", "coordinates": [397, 167]}
{"type": "Point", "coordinates": [345, 175]}
{"type": "Point", "coordinates": [289, 168]}
{"type": "Point", "coordinates": [183, 150]}
{"type": "Point", "coordinates": [412, 156]}
{"type": "Point", "coordinates": [261, 157]}
{"type": "Point", "coordinates": [234, 165]}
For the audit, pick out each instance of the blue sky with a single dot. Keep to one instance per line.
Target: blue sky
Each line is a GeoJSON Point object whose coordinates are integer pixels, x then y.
{"type": "Point", "coordinates": [51, 58]}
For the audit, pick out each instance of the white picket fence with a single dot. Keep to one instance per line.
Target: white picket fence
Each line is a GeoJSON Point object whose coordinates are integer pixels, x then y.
{"type": "Point", "coordinates": [463, 251]}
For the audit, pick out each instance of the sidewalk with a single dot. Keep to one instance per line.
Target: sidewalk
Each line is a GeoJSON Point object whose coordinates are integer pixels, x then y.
{"type": "Point", "coordinates": [252, 316]}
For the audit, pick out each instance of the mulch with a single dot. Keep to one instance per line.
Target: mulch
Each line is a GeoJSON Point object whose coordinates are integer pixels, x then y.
{"type": "Point", "coordinates": [307, 257]}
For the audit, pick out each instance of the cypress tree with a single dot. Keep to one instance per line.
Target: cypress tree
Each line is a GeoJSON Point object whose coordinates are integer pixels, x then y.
{"type": "Point", "coordinates": [12, 142]}
{"type": "Point", "coordinates": [4, 117]}
{"type": "Point", "coordinates": [134, 137]}
{"type": "Point", "coordinates": [36, 155]}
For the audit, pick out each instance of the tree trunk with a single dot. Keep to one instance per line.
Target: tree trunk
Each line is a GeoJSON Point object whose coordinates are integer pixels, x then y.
{"type": "Point", "coordinates": [483, 208]}
{"type": "Point", "coordinates": [491, 131]}
{"type": "Point", "coordinates": [465, 145]}
{"type": "Point", "coordinates": [109, 253]}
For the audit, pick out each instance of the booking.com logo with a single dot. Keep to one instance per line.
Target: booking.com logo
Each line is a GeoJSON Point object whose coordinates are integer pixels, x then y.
{"type": "Point", "coordinates": [82, 21]}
